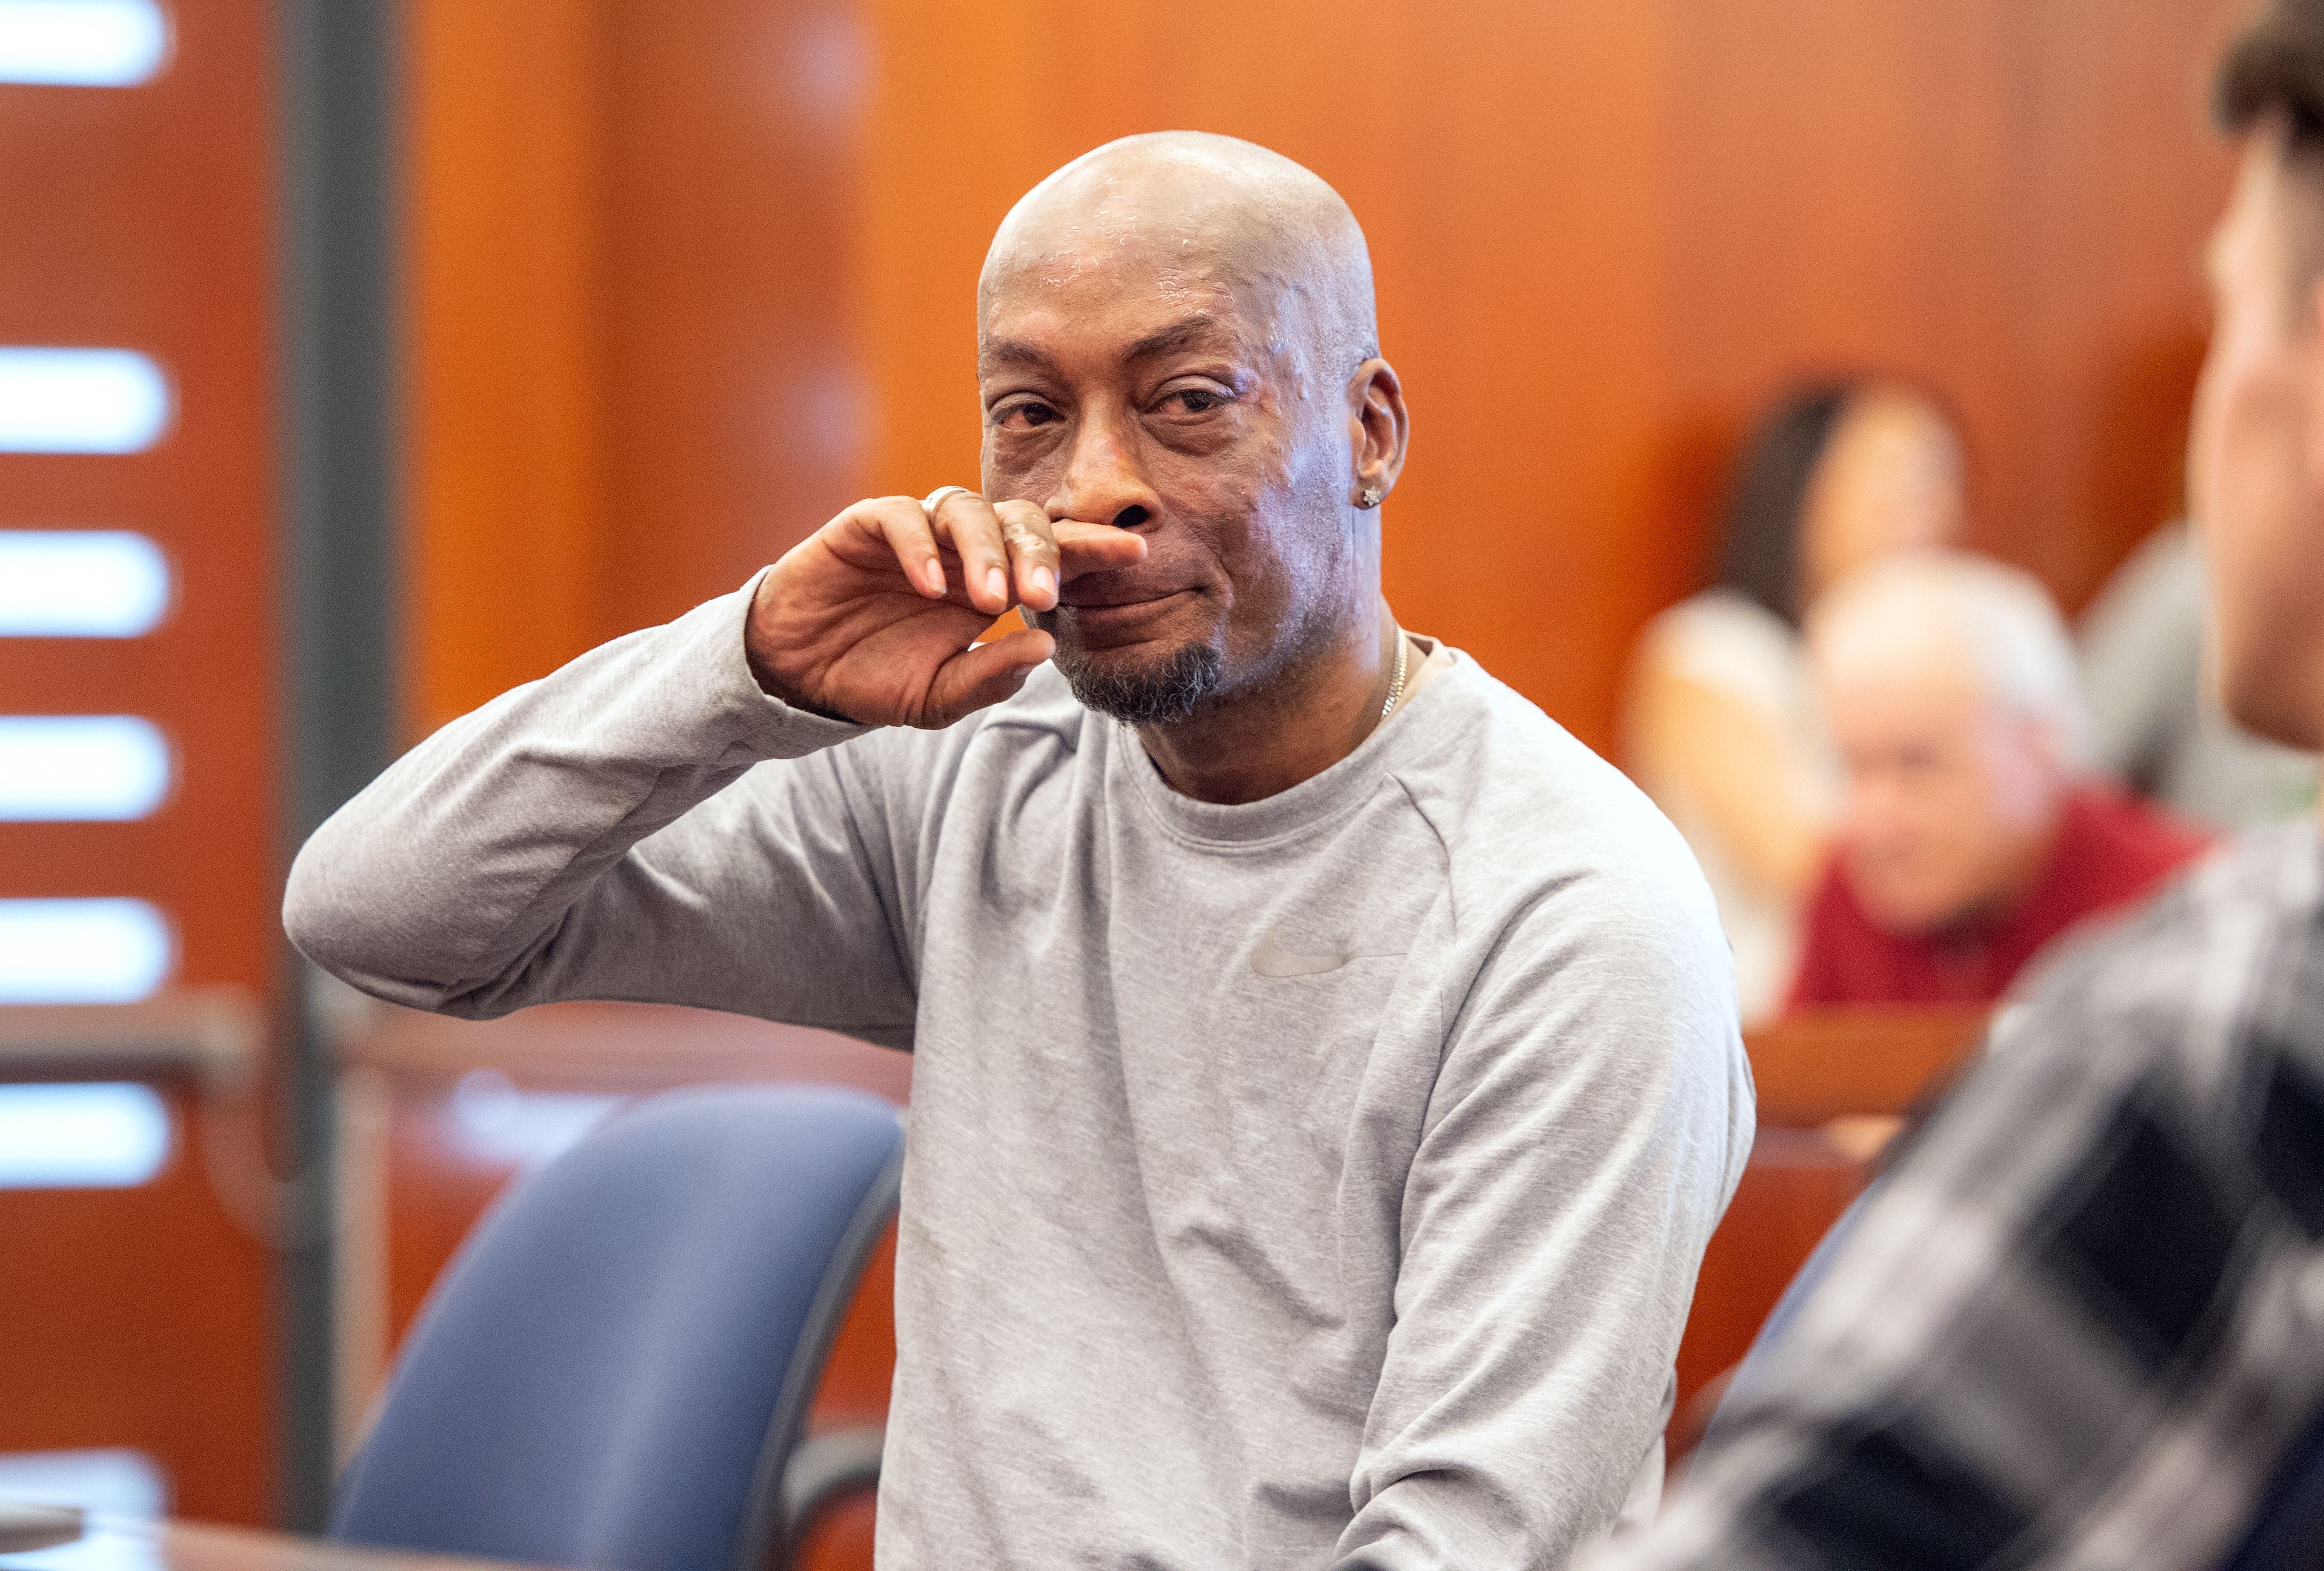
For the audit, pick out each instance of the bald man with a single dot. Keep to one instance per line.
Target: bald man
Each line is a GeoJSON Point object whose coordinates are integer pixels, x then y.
{"type": "Point", "coordinates": [1327, 1069]}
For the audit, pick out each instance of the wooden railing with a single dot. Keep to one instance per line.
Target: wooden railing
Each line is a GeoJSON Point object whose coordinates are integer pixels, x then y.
{"type": "Point", "coordinates": [1837, 1063]}
{"type": "Point", "coordinates": [1833, 1085]}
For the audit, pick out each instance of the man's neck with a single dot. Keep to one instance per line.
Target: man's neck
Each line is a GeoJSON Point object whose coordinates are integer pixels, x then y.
{"type": "Point", "coordinates": [1253, 744]}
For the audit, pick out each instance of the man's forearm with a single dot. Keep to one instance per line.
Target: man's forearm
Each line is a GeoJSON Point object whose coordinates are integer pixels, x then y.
{"type": "Point", "coordinates": [449, 872]}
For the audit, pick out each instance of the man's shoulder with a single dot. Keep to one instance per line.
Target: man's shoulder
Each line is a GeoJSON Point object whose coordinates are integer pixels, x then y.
{"type": "Point", "coordinates": [1494, 764]}
{"type": "Point", "coordinates": [1526, 809]}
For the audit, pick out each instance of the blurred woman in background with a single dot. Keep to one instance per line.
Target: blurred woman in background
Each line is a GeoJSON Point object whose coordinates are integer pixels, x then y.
{"type": "Point", "coordinates": [1721, 726]}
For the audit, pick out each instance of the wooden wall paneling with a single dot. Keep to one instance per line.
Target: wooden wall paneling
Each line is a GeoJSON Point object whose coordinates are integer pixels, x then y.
{"type": "Point", "coordinates": [506, 157]}
{"type": "Point", "coordinates": [139, 217]}
{"type": "Point", "coordinates": [1831, 1063]}
{"type": "Point", "coordinates": [143, 223]}
{"type": "Point", "coordinates": [2004, 202]}
{"type": "Point", "coordinates": [632, 382]}
{"type": "Point", "coordinates": [138, 1317]}
{"type": "Point", "coordinates": [1604, 237]}
{"type": "Point", "coordinates": [737, 407]}
{"type": "Point", "coordinates": [1796, 1186]}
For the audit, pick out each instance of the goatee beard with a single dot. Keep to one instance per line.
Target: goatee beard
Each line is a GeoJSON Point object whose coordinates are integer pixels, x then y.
{"type": "Point", "coordinates": [1160, 692]}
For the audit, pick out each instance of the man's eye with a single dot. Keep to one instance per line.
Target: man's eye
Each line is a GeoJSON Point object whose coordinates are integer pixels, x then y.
{"type": "Point", "coordinates": [1197, 399]}
{"type": "Point", "coordinates": [1027, 413]}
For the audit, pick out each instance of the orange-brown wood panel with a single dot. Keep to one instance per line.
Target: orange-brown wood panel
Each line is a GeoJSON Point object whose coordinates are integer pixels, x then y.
{"type": "Point", "coordinates": [1603, 236]}
{"type": "Point", "coordinates": [841, 1539]}
{"type": "Point", "coordinates": [1831, 1063]}
{"type": "Point", "coordinates": [1816, 1072]}
{"type": "Point", "coordinates": [1796, 1186]}
{"type": "Point", "coordinates": [2004, 199]}
{"type": "Point", "coordinates": [141, 217]}
{"type": "Point", "coordinates": [632, 380]}
{"type": "Point", "coordinates": [140, 1318]}
{"type": "Point", "coordinates": [738, 405]}
{"type": "Point", "coordinates": [505, 154]}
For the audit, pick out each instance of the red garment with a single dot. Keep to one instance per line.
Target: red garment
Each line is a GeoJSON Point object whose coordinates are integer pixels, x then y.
{"type": "Point", "coordinates": [2110, 852]}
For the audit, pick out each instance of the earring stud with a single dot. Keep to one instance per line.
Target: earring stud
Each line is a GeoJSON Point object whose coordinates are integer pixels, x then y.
{"type": "Point", "coordinates": [1371, 497]}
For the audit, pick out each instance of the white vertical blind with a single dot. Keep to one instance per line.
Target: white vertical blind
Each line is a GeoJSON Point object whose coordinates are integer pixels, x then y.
{"type": "Point", "coordinates": [105, 1135]}
{"type": "Point", "coordinates": [81, 768]}
{"type": "Point", "coordinates": [81, 400]}
{"type": "Point", "coordinates": [82, 43]}
{"type": "Point", "coordinates": [80, 583]}
{"type": "Point", "coordinates": [83, 951]}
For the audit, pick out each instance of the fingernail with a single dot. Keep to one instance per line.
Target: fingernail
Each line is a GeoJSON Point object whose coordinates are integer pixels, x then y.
{"type": "Point", "coordinates": [934, 574]}
{"type": "Point", "coordinates": [996, 583]}
{"type": "Point", "coordinates": [1045, 579]}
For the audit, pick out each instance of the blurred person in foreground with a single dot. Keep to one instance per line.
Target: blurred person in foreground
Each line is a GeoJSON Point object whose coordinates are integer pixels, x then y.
{"type": "Point", "coordinates": [1326, 1069]}
{"type": "Point", "coordinates": [1970, 832]}
{"type": "Point", "coordinates": [2156, 722]}
{"type": "Point", "coordinates": [2081, 1323]}
{"type": "Point", "coordinates": [1720, 723]}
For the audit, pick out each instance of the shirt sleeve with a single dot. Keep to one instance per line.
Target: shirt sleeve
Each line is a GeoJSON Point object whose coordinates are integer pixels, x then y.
{"type": "Point", "coordinates": [1591, 1118]}
{"type": "Point", "coordinates": [646, 824]}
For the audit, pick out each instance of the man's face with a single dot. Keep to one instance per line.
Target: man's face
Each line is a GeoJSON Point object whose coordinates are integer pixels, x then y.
{"type": "Point", "coordinates": [2256, 465]}
{"type": "Point", "coordinates": [1158, 394]}
{"type": "Point", "coordinates": [1951, 801]}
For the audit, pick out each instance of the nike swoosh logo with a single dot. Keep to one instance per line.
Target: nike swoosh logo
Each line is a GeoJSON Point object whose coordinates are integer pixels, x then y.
{"type": "Point", "coordinates": [1269, 958]}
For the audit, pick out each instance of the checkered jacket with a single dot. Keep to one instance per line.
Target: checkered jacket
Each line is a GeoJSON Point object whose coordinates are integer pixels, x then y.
{"type": "Point", "coordinates": [2082, 1321]}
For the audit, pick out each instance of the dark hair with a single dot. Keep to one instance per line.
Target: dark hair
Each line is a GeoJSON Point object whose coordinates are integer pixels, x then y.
{"type": "Point", "coordinates": [1759, 539]}
{"type": "Point", "coordinates": [2276, 67]}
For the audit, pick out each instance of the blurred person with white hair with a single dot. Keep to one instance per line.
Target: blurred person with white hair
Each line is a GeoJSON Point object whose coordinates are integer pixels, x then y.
{"type": "Point", "coordinates": [1720, 723]}
{"type": "Point", "coordinates": [1971, 831]}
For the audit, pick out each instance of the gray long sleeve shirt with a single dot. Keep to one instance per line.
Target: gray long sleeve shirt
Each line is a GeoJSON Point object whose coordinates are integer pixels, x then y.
{"type": "Point", "coordinates": [1316, 1182]}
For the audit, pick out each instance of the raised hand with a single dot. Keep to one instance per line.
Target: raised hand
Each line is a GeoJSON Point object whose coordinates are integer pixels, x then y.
{"type": "Point", "coordinates": [874, 617]}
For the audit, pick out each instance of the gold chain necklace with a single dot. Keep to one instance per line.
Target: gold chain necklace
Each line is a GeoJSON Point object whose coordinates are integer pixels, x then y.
{"type": "Point", "coordinates": [1395, 687]}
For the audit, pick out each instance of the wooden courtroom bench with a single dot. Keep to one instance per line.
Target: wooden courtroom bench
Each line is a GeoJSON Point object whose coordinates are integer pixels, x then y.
{"type": "Point", "coordinates": [1833, 1084]}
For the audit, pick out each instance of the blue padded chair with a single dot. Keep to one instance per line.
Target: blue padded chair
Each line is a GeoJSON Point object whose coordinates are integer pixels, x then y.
{"type": "Point", "coordinates": [614, 1373]}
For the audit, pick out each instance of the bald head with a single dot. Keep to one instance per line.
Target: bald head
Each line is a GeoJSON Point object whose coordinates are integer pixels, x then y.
{"type": "Point", "coordinates": [1174, 336]}
{"type": "Point", "coordinates": [1199, 213]}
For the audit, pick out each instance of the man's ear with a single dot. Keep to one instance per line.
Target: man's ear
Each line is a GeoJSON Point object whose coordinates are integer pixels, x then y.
{"type": "Point", "coordinates": [1378, 426]}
